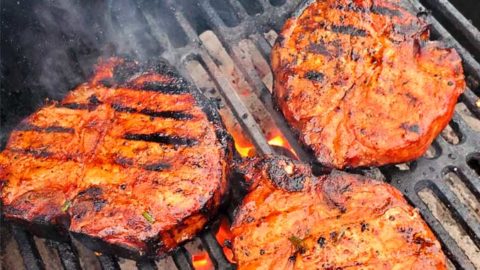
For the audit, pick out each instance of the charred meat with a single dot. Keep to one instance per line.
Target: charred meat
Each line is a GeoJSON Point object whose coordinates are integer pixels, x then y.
{"type": "Point", "coordinates": [291, 219]}
{"type": "Point", "coordinates": [135, 159]}
{"type": "Point", "coordinates": [362, 84]}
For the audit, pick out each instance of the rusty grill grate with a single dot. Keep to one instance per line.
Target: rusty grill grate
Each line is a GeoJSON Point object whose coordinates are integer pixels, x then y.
{"type": "Point", "coordinates": [223, 47]}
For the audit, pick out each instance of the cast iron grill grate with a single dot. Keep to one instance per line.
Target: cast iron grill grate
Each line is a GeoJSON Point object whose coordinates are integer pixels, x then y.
{"type": "Point", "coordinates": [223, 46]}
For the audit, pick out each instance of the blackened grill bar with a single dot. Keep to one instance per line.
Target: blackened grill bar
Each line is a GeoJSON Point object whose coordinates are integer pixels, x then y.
{"type": "Point", "coordinates": [230, 30]}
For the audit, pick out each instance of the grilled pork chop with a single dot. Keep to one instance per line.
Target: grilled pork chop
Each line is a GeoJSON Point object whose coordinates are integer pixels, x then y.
{"type": "Point", "coordinates": [291, 219]}
{"type": "Point", "coordinates": [361, 83]}
{"type": "Point", "coordinates": [135, 159]}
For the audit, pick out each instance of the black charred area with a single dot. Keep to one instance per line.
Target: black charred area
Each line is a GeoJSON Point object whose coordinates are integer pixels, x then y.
{"type": "Point", "coordinates": [157, 167]}
{"type": "Point", "coordinates": [50, 129]}
{"type": "Point", "coordinates": [161, 138]}
{"type": "Point", "coordinates": [126, 71]}
{"type": "Point", "coordinates": [278, 170]}
{"type": "Point", "coordinates": [87, 200]}
{"type": "Point", "coordinates": [39, 153]}
{"type": "Point", "coordinates": [123, 161]}
{"type": "Point", "coordinates": [92, 104]}
{"type": "Point", "coordinates": [349, 30]}
{"type": "Point", "coordinates": [411, 127]}
{"type": "Point", "coordinates": [78, 106]}
{"type": "Point", "coordinates": [332, 49]}
{"type": "Point", "coordinates": [124, 75]}
{"type": "Point", "coordinates": [314, 76]}
{"type": "Point", "coordinates": [172, 88]}
{"type": "Point", "coordinates": [177, 115]}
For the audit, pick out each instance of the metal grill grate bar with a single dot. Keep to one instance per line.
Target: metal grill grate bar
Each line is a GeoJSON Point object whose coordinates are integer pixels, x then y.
{"type": "Point", "coordinates": [216, 252]}
{"type": "Point", "coordinates": [108, 262]}
{"type": "Point", "coordinates": [68, 256]}
{"type": "Point", "coordinates": [31, 257]}
{"type": "Point", "coordinates": [462, 24]}
{"type": "Point", "coordinates": [182, 259]}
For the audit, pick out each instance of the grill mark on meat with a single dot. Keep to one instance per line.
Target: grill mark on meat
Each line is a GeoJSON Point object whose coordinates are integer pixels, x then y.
{"type": "Point", "coordinates": [288, 180]}
{"type": "Point", "coordinates": [177, 115]}
{"type": "Point", "coordinates": [128, 162]}
{"type": "Point", "coordinates": [123, 161]}
{"type": "Point", "coordinates": [348, 30]}
{"type": "Point", "coordinates": [122, 73]}
{"type": "Point", "coordinates": [92, 104]}
{"type": "Point", "coordinates": [320, 47]}
{"type": "Point", "coordinates": [385, 11]}
{"type": "Point", "coordinates": [39, 153]}
{"type": "Point", "coordinates": [171, 88]}
{"type": "Point", "coordinates": [380, 10]}
{"type": "Point", "coordinates": [50, 129]}
{"type": "Point", "coordinates": [129, 69]}
{"type": "Point", "coordinates": [314, 76]}
{"type": "Point", "coordinates": [159, 166]}
{"type": "Point", "coordinates": [120, 108]}
{"type": "Point", "coordinates": [77, 106]}
{"type": "Point", "coordinates": [161, 138]}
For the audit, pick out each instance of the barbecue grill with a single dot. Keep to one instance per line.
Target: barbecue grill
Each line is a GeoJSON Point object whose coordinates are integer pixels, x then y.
{"type": "Point", "coordinates": [223, 47]}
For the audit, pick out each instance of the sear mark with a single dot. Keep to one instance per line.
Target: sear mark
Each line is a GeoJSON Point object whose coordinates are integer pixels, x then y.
{"type": "Point", "coordinates": [120, 108]}
{"type": "Point", "coordinates": [161, 138]}
{"type": "Point", "coordinates": [92, 104]}
{"type": "Point", "coordinates": [123, 161]}
{"type": "Point", "coordinates": [39, 153]}
{"type": "Point", "coordinates": [412, 128]}
{"type": "Point", "coordinates": [172, 88]}
{"type": "Point", "coordinates": [159, 166]}
{"type": "Point", "coordinates": [75, 106]}
{"type": "Point", "coordinates": [314, 76]}
{"type": "Point", "coordinates": [329, 49]}
{"type": "Point", "coordinates": [128, 162]}
{"type": "Point", "coordinates": [348, 30]}
{"type": "Point", "coordinates": [177, 115]}
{"type": "Point", "coordinates": [288, 180]}
{"type": "Point", "coordinates": [321, 241]}
{"type": "Point", "coordinates": [385, 11]}
{"type": "Point", "coordinates": [50, 129]}
{"type": "Point", "coordinates": [319, 48]}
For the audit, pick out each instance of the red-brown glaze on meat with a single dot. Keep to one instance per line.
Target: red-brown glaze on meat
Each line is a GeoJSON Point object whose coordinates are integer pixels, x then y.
{"type": "Point", "coordinates": [362, 84]}
{"type": "Point", "coordinates": [135, 157]}
{"type": "Point", "coordinates": [291, 219]}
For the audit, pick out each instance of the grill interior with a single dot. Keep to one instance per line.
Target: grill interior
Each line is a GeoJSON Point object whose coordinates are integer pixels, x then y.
{"type": "Point", "coordinates": [223, 47]}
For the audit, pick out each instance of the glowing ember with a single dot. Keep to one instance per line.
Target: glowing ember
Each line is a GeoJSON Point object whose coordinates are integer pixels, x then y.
{"type": "Point", "coordinates": [242, 143]}
{"type": "Point", "coordinates": [280, 141]}
{"type": "Point", "coordinates": [201, 261]}
{"type": "Point", "coordinates": [224, 238]}
{"type": "Point", "coordinates": [244, 151]}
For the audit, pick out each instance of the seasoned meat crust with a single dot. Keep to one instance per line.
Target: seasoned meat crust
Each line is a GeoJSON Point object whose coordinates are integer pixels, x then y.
{"type": "Point", "coordinates": [135, 159]}
{"type": "Point", "coordinates": [291, 219]}
{"type": "Point", "coordinates": [361, 83]}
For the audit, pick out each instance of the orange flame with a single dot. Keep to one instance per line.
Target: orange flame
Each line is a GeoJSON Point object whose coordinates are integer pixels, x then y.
{"type": "Point", "coordinates": [277, 139]}
{"type": "Point", "coordinates": [242, 142]}
{"type": "Point", "coordinates": [224, 237]}
{"type": "Point", "coordinates": [201, 261]}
